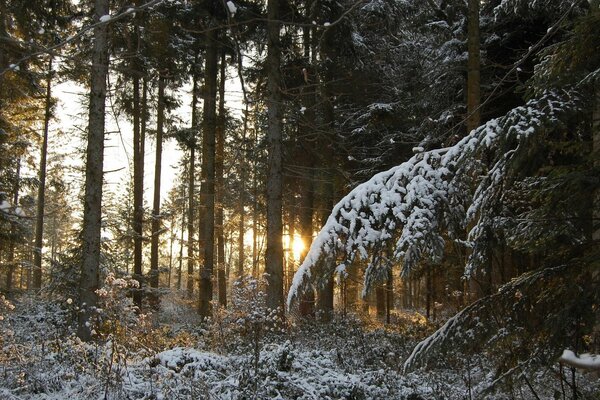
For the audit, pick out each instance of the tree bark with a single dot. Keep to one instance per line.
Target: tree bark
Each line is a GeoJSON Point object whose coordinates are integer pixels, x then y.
{"type": "Point", "coordinates": [138, 174]}
{"type": "Point", "coordinates": [220, 154]}
{"type": "Point", "coordinates": [473, 66]}
{"type": "Point", "coordinates": [156, 217]}
{"type": "Point", "coordinates": [274, 252]}
{"type": "Point", "coordinates": [39, 223]}
{"type": "Point", "coordinates": [192, 191]}
{"type": "Point", "coordinates": [92, 208]}
{"type": "Point", "coordinates": [207, 189]}
{"type": "Point", "coordinates": [596, 153]}
{"type": "Point", "coordinates": [138, 194]}
{"type": "Point", "coordinates": [11, 247]}
{"type": "Point", "coordinates": [242, 199]}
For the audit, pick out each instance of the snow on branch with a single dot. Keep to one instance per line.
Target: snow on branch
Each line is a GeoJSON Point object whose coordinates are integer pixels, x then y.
{"type": "Point", "coordinates": [547, 296]}
{"type": "Point", "coordinates": [590, 362]}
{"type": "Point", "coordinates": [401, 215]}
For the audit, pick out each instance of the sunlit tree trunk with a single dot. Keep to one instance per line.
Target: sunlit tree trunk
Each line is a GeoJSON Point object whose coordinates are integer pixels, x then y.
{"type": "Point", "coordinates": [11, 247]}
{"type": "Point", "coordinates": [156, 217]}
{"type": "Point", "coordinates": [207, 189]}
{"type": "Point", "coordinates": [92, 208]}
{"type": "Point", "coordinates": [39, 222]}
{"type": "Point", "coordinates": [274, 252]}
{"type": "Point", "coordinates": [242, 199]}
{"type": "Point", "coordinates": [192, 190]}
{"type": "Point", "coordinates": [138, 172]}
{"type": "Point", "coordinates": [220, 154]}
{"type": "Point", "coordinates": [182, 226]}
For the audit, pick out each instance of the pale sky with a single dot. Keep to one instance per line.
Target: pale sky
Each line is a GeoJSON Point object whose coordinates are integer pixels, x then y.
{"type": "Point", "coordinates": [118, 146]}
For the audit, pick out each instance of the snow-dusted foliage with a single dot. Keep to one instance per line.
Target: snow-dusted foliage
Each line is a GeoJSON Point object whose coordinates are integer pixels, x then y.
{"type": "Point", "coordinates": [403, 214]}
{"type": "Point", "coordinates": [548, 296]}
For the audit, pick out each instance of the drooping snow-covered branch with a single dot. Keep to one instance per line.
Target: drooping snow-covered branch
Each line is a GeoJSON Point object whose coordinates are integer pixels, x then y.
{"type": "Point", "coordinates": [413, 205]}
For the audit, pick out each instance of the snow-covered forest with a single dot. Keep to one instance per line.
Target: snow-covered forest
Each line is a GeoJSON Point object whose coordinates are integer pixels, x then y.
{"type": "Point", "coordinates": [284, 199]}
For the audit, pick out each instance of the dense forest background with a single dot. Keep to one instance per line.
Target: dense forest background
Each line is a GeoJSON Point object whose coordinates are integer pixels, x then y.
{"type": "Point", "coordinates": [419, 179]}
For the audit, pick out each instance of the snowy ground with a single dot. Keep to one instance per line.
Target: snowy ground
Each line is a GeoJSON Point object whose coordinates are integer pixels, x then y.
{"type": "Point", "coordinates": [42, 359]}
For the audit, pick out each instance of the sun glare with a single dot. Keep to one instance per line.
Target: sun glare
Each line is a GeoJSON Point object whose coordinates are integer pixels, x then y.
{"type": "Point", "coordinates": [297, 247]}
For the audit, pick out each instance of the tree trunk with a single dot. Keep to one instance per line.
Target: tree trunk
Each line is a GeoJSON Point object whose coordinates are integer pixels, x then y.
{"type": "Point", "coordinates": [138, 193]}
{"type": "Point", "coordinates": [473, 67]}
{"type": "Point", "coordinates": [192, 191]}
{"type": "Point", "coordinates": [242, 199]}
{"type": "Point", "coordinates": [596, 153]}
{"type": "Point", "coordinates": [255, 209]}
{"type": "Point", "coordinates": [207, 189]}
{"type": "Point", "coordinates": [274, 253]}
{"type": "Point", "coordinates": [180, 269]}
{"type": "Point", "coordinates": [220, 154]}
{"type": "Point", "coordinates": [156, 218]}
{"type": "Point", "coordinates": [39, 222]}
{"type": "Point", "coordinates": [92, 208]}
{"type": "Point", "coordinates": [11, 246]}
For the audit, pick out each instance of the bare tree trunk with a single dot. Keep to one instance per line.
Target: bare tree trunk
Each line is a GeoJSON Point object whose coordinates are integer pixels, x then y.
{"type": "Point", "coordinates": [596, 153]}
{"type": "Point", "coordinates": [92, 208]}
{"type": "Point", "coordinates": [473, 67]}
{"type": "Point", "coordinates": [191, 187]}
{"type": "Point", "coordinates": [274, 253]}
{"type": "Point", "coordinates": [242, 199]}
{"type": "Point", "coordinates": [138, 193]}
{"type": "Point", "coordinates": [180, 269]}
{"type": "Point", "coordinates": [255, 210]}
{"type": "Point", "coordinates": [207, 189]}
{"type": "Point", "coordinates": [220, 154]}
{"type": "Point", "coordinates": [11, 247]}
{"type": "Point", "coordinates": [39, 222]}
{"type": "Point", "coordinates": [156, 218]}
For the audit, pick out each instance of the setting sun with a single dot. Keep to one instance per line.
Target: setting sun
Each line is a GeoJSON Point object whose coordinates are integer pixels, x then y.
{"type": "Point", "coordinates": [297, 247]}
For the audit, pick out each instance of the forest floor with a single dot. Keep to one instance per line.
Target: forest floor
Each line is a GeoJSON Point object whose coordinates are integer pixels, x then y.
{"type": "Point", "coordinates": [170, 355]}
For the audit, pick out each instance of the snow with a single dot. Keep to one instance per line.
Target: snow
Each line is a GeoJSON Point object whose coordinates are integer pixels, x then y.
{"type": "Point", "coordinates": [583, 361]}
{"type": "Point", "coordinates": [105, 18]}
{"type": "Point", "coordinates": [232, 8]}
{"type": "Point", "coordinates": [416, 201]}
{"type": "Point", "coordinates": [4, 205]}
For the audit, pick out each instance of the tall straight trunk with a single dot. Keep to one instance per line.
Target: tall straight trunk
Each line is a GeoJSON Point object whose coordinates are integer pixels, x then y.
{"type": "Point", "coordinates": [207, 189]}
{"type": "Point", "coordinates": [156, 218]}
{"type": "Point", "coordinates": [255, 210]}
{"type": "Point", "coordinates": [306, 201]}
{"type": "Point", "coordinates": [307, 302]}
{"type": "Point", "coordinates": [192, 190]}
{"type": "Point", "coordinates": [220, 154]}
{"type": "Point", "coordinates": [473, 66]}
{"type": "Point", "coordinates": [39, 221]}
{"type": "Point", "coordinates": [139, 121]}
{"type": "Point", "coordinates": [596, 153]}
{"type": "Point", "coordinates": [11, 247]}
{"type": "Point", "coordinates": [171, 240]}
{"type": "Point", "coordinates": [180, 268]}
{"type": "Point", "coordinates": [138, 193]}
{"type": "Point", "coordinates": [242, 199]}
{"type": "Point", "coordinates": [325, 293]}
{"type": "Point", "coordinates": [274, 252]}
{"type": "Point", "coordinates": [92, 207]}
